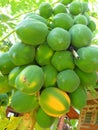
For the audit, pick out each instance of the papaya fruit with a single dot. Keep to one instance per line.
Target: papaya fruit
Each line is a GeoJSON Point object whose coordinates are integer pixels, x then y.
{"type": "Point", "coordinates": [78, 98]}
{"type": "Point", "coordinates": [92, 25]}
{"type": "Point", "coordinates": [88, 59]}
{"type": "Point", "coordinates": [86, 79]}
{"type": "Point", "coordinates": [63, 20]}
{"type": "Point", "coordinates": [13, 74]}
{"type": "Point", "coordinates": [30, 80]}
{"type": "Point", "coordinates": [50, 75]}
{"type": "Point", "coordinates": [21, 54]}
{"type": "Point", "coordinates": [62, 60]}
{"type": "Point", "coordinates": [32, 31]}
{"type": "Point", "coordinates": [54, 64]}
{"type": "Point", "coordinates": [80, 31]}
{"type": "Point", "coordinates": [45, 10]}
{"type": "Point", "coordinates": [68, 80]}
{"type": "Point", "coordinates": [59, 8]}
{"type": "Point", "coordinates": [58, 39]}
{"type": "Point", "coordinates": [81, 19]}
{"type": "Point", "coordinates": [36, 16]}
{"type": "Point", "coordinates": [87, 16]}
{"type": "Point", "coordinates": [44, 120]}
{"type": "Point", "coordinates": [43, 54]}
{"type": "Point", "coordinates": [22, 102]}
{"type": "Point", "coordinates": [66, 2]}
{"type": "Point", "coordinates": [85, 7]}
{"type": "Point", "coordinates": [54, 102]}
{"type": "Point", "coordinates": [75, 7]}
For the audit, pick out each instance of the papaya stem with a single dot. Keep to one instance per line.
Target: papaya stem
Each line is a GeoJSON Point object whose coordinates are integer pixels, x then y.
{"type": "Point", "coordinates": [7, 35]}
{"type": "Point", "coordinates": [33, 119]}
{"type": "Point", "coordinates": [61, 122]}
{"type": "Point", "coordinates": [75, 54]}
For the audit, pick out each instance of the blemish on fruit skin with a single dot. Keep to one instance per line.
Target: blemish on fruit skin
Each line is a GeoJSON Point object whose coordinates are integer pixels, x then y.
{"type": "Point", "coordinates": [30, 85]}
{"type": "Point", "coordinates": [24, 79]}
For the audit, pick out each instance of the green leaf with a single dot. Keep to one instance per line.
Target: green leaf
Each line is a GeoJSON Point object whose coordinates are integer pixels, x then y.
{"type": "Point", "coordinates": [4, 2]}
{"type": "Point", "coordinates": [3, 28]}
{"type": "Point", "coordinates": [4, 17]}
{"type": "Point", "coordinates": [13, 123]}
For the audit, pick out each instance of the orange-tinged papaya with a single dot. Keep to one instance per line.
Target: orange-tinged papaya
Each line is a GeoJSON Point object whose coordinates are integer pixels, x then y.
{"type": "Point", "coordinates": [54, 101]}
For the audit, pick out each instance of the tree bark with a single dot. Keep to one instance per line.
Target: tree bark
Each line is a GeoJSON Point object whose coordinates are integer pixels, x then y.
{"type": "Point", "coordinates": [28, 121]}
{"type": "Point", "coordinates": [61, 123]}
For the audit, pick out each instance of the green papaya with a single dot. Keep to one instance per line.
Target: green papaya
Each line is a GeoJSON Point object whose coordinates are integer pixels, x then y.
{"type": "Point", "coordinates": [21, 54]}
{"type": "Point", "coordinates": [81, 35]}
{"type": "Point", "coordinates": [68, 80]}
{"type": "Point", "coordinates": [88, 59]}
{"type": "Point", "coordinates": [45, 10]}
{"type": "Point", "coordinates": [13, 74]}
{"type": "Point", "coordinates": [44, 54]}
{"type": "Point", "coordinates": [36, 16]}
{"type": "Point", "coordinates": [30, 80]}
{"type": "Point", "coordinates": [44, 120]}
{"type": "Point", "coordinates": [86, 79]}
{"type": "Point", "coordinates": [50, 75]}
{"type": "Point", "coordinates": [32, 32]}
{"type": "Point", "coordinates": [6, 65]}
{"type": "Point", "coordinates": [78, 98]}
{"type": "Point", "coordinates": [59, 39]}
{"type": "Point", "coordinates": [62, 60]}
{"type": "Point", "coordinates": [22, 102]}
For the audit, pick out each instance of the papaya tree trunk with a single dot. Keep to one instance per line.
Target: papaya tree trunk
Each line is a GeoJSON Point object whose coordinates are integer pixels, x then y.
{"type": "Point", "coordinates": [61, 123]}
{"type": "Point", "coordinates": [28, 121]}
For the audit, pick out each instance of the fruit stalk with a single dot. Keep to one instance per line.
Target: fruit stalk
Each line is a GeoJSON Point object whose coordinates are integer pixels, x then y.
{"type": "Point", "coordinates": [75, 54]}
{"type": "Point", "coordinates": [61, 122]}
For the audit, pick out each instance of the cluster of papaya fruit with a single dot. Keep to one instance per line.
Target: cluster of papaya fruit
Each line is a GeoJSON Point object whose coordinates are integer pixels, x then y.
{"type": "Point", "coordinates": [54, 63]}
